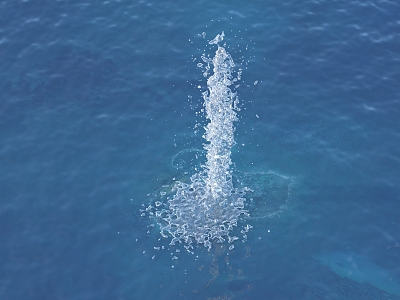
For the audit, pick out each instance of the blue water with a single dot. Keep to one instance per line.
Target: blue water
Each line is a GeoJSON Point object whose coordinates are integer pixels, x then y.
{"type": "Point", "coordinates": [94, 105]}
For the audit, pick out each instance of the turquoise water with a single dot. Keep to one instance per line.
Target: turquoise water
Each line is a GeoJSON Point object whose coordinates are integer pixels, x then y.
{"type": "Point", "coordinates": [98, 98]}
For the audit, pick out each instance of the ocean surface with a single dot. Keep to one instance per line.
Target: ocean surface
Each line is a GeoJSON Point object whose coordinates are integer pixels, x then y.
{"type": "Point", "coordinates": [98, 107]}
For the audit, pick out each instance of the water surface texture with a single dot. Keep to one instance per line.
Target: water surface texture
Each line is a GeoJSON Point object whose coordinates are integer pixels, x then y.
{"type": "Point", "coordinates": [99, 103]}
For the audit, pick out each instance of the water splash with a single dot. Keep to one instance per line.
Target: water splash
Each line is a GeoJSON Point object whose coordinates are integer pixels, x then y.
{"type": "Point", "coordinates": [208, 208]}
{"type": "Point", "coordinates": [220, 105]}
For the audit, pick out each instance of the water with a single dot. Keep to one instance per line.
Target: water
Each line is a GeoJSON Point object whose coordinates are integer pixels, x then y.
{"type": "Point", "coordinates": [208, 208]}
{"type": "Point", "coordinates": [98, 110]}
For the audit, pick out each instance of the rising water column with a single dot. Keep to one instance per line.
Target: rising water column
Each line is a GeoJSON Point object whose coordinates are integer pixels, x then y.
{"type": "Point", "coordinates": [207, 209]}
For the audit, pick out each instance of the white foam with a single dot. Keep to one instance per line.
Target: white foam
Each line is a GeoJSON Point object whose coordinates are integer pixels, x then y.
{"type": "Point", "coordinates": [206, 209]}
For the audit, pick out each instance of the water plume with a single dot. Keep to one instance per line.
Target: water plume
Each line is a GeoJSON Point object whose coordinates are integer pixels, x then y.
{"type": "Point", "coordinates": [207, 209]}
